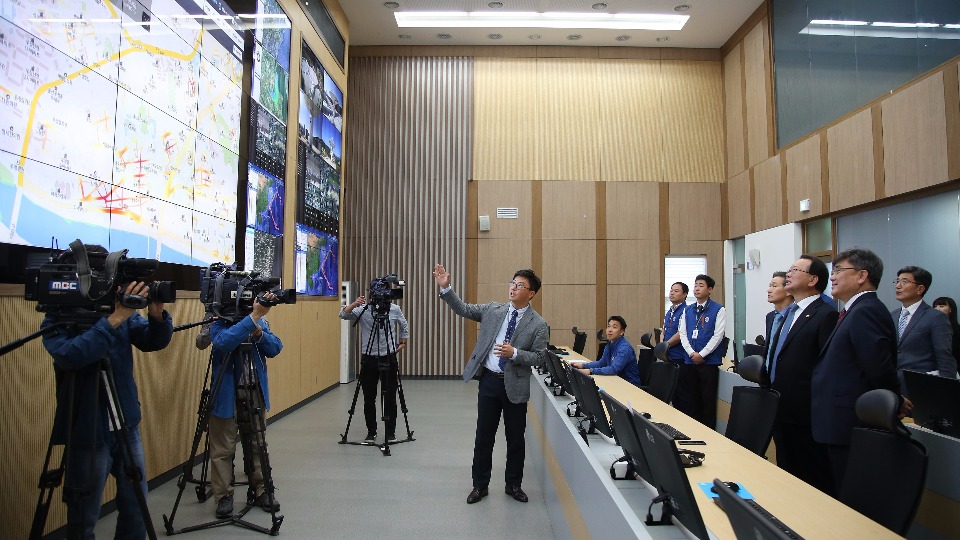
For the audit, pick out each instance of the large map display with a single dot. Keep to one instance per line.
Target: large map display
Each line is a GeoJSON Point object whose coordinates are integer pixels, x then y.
{"type": "Point", "coordinates": [121, 126]}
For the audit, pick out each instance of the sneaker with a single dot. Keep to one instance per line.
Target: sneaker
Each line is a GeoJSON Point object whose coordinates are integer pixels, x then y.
{"type": "Point", "coordinates": [225, 507]}
{"type": "Point", "coordinates": [267, 502]}
{"type": "Point", "coordinates": [392, 439]}
{"type": "Point", "coordinates": [371, 437]}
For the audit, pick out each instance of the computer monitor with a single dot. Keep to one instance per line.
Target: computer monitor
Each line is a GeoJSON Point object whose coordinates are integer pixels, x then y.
{"type": "Point", "coordinates": [626, 435]}
{"type": "Point", "coordinates": [553, 368]}
{"type": "Point", "coordinates": [591, 404]}
{"type": "Point", "coordinates": [669, 478]}
{"type": "Point", "coordinates": [936, 401]}
{"type": "Point", "coordinates": [748, 520]}
{"type": "Point", "coordinates": [563, 378]}
{"type": "Point", "coordinates": [573, 382]}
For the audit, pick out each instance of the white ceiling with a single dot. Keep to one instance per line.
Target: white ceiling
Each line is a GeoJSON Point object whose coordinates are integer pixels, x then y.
{"type": "Point", "coordinates": [711, 23]}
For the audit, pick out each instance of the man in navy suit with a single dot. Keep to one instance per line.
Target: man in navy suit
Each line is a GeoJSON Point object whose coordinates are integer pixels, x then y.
{"type": "Point", "coordinates": [794, 351]}
{"type": "Point", "coordinates": [778, 296]}
{"type": "Point", "coordinates": [860, 355]}
{"type": "Point", "coordinates": [925, 339]}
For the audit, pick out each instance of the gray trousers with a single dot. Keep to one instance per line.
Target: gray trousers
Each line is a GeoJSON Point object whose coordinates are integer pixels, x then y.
{"type": "Point", "coordinates": [223, 434]}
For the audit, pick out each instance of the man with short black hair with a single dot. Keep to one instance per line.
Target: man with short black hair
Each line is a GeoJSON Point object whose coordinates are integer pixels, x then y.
{"type": "Point", "coordinates": [794, 348]}
{"type": "Point", "coordinates": [859, 355]}
{"type": "Point", "coordinates": [671, 322]}
{"type": "Point", "coordinates": [702, 329]}
{"type": "Point", "coordinates": [619, 357]}
{"type": "Point", "coordinates": [924, 336]}
{"type": "Point", "coordinates": [511, 340]}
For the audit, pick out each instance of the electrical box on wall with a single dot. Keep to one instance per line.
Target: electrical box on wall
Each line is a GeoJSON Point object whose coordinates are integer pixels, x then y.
{"type": "Point", "coordinates": [484, 223]}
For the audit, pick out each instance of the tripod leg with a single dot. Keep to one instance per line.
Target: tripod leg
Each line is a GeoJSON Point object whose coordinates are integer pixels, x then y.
{"type": "Point", "coordinates": [353, 407]}
{"type": "Point", "coordinates": [253, 430]}
{"type": "Point", "coordinates": [403, 402]}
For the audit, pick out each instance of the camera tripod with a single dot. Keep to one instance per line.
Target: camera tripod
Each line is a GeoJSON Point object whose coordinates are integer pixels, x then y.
{"type": "Point", "coordinates": [387, 367]}
{"type": "Point", "coordinates": [249, 411]}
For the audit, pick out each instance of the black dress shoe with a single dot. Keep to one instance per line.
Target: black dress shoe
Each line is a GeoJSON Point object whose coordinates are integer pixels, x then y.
{"type": "Point", "coordinates": [477, 494]}
{"type": "Point", "coordinates": [516, 493]}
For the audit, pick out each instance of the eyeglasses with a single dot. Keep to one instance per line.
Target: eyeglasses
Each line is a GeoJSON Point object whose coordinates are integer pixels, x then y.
{"type": "Point", "coordinates": [902, 282]}
{"type": "Point", "coordinates": [517, 285]}
{"type": "Point", "coordinates": [837, 269]}
{"type": "Point", "coordinates": [794, 269]}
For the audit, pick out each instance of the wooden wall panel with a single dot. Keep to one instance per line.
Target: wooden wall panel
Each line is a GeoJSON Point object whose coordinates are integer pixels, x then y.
{"type": "Point", "coordinates": [640, 305]}
{"type": "Point", "coordinates": [633, 210]}
{"type": "Point", "coordinates": [570, 210]}
{"type": "Point", "coordinates": [804, 178]}
{"type": "Point", "coordinates": [694, 211]}
{"type": "Point", "coordinates": [566, 306]}
{"type": "Point", "coordinates": [505, 107]}
{"type": "Point", "coordinates": [569, 262]}
{"type": "Point", "coordinates": [493, 195]}
{"type": "Point", "coordinates": [768, 194]}
{"type": "Point", "coordinates": [739, 205]}
{"type": "Point", "coordinates": [633, 261]}
{"type": "Point", "coordinates": [567, 119]}
{"type": "Point", "coordinates": [733, 112]}
{"type": "Point", "coordinates": [756, 49]}
{"type": "Point", "coordinates": [915, 137]}
{"type": "Point", "coordinates": [499, 258]}
{"type": "Point", "coordinates": [631, 120]}
{"type": "Point", "coordinates": [851, 161]}
{"type": "Point", "coordinates": [693, 121]}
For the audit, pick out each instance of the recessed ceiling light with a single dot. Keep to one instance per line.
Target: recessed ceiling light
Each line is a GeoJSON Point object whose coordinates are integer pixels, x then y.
{"type": "Point", "coordinates": [534, 36]}
{"type": "Point", "coordinates": [391, 5]}
{"type": "Point", "coordinates": [661, 39]}
{"type": "Point", "coordinates": [599, 6]}
{"type": "Point", "coordinates": [574, 37]}
{"type": "Point", "coordinates": [623, 38]}
{"type": "Point", "coordinates": [494, 36]}
{"type": "Point", "coordinates": [405, 36]}
{"type": "Point", "coordinates": [567, 20]}
{"type": "Point", "coordinates": [495, 5]}
{"type": "Point", "coordinates": [444, 36]}
{"type": "Point", "coordinates": [681, 7]}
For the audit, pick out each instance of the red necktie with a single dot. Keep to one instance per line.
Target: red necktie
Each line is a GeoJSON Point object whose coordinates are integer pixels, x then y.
{"type": "Point", "coordinates": [842, 313]}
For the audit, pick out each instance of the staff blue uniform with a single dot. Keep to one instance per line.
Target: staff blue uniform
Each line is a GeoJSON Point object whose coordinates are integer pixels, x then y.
{"type": "Point", "coordinates": [618, 358]}
{"type": "Point", "coordinates": [671, 325]}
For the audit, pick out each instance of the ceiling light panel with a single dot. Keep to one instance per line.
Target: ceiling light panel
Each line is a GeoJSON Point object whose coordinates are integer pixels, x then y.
{"type": "Point", "coordinates": [488, 19]}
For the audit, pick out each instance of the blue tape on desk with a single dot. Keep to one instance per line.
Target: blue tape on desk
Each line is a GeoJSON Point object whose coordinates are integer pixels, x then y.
{"type": "Point", "coordinates": [706, 486]}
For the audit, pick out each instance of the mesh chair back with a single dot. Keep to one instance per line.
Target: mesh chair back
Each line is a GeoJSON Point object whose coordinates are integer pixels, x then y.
{"type": "Point", "coordinates": [887, 469]}
{"type": "Point", "coordinates": [663, 381]}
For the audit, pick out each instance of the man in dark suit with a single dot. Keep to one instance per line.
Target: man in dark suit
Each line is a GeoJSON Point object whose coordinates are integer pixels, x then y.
{"type": "Point", "coordinates": [794, 351]}
{"type": "Point", "coordinates": [512, 338]}
{"type": "Point", "coordinates": [778, 296]}
{"type": "Point", "coordinates": [860, 355]}
{"type": "Point", "coordinates": [925, 339]}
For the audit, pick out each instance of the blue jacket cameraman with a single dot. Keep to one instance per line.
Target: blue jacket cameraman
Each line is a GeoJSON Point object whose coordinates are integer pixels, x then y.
{"type": "Point", "coordinates": [223, 430]}
{"type": "Point", "coordinates": [95, 451]}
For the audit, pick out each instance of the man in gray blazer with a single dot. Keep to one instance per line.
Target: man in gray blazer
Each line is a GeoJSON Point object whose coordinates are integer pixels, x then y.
{"type": "Point", "coordinates": [925, 339]}
{"type": "Point", "coordinates": [512, 338]}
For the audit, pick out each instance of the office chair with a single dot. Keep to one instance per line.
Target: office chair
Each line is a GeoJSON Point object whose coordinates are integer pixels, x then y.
{"type": "Point", "coordinates": [645, 357]}
{"type": "Point", "coordinates": [887, 469]}
{"type": "Point", "coordinates": [579, 340]}
{"type": "Point", "coordinates": [753, 410]}
{"type": "Point", "coordinates": [749, 349]}
{"type": "Point", "coordinates": [646, 340]}
{"type": "Point", "coordinates": [662, 381]}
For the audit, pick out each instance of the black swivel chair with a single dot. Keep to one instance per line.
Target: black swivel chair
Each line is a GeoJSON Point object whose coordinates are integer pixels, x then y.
{"type": "Point", "coordinates": [753, 410]}
{"type": "Point", "coordinates": [663, 376]}
{"type": "Point", "coordinates": [645, 357]}
{"type": "Point", "coordinates": [887, 469]}
{"type": "Point", "coordinates": [579, 340]}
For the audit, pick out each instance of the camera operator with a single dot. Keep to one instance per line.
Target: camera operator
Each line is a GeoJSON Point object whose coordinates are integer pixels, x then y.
{"type": "Point", "coordinates": [95, 453]}
{"type": "Point", "coordinates": [227, 337]}
{"type": "Point", "coordinates": [382, 351]}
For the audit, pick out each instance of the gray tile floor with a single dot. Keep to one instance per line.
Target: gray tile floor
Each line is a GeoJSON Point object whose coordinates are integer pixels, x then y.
{"type": "Point", "coordinates": [331, 490]}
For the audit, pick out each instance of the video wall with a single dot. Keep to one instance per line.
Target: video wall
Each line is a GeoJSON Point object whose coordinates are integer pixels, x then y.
{"type": "Point", "coordinates": [319, 152]}
{"type": "Point", "coordinates": [263, 243]}
{"type": "Point", "coordinates": [121, 126]}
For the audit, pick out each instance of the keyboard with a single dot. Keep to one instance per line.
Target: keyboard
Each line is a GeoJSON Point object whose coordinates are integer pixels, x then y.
{"type": "Point", "coordinates": [673, 432]}
{"type": "Point", "coordinates": [773, 520]}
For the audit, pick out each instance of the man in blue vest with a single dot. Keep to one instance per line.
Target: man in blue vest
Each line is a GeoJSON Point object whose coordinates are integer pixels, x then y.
{"type": "Point", "coordinates": [702, 329]}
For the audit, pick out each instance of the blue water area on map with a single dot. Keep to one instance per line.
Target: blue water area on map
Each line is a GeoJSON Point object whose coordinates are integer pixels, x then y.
{"type": "Point", "coordinates": [141, 246]}
{"type": "Point", "coordinates": [37, 226]}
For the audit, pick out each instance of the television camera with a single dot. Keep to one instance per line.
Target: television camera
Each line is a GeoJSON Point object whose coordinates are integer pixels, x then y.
{"type": "Point", "coordinates": [229, 293]}
{"type": "Point", "coordinates": [384, 290]}
{"type": "Point", "coordinates": [82, 281]}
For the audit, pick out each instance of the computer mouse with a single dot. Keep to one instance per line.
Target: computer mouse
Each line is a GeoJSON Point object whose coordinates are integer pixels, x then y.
{"type": "Point", "coordinates": [735, 487]}
{"type": "Point", "coordinates": [645, 415]}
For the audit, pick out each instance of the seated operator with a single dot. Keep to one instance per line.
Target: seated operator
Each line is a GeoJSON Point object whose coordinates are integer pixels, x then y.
{"type": "Point", "coordinates": [95, 452]}
{"type": "Point", "coordinates": [227, 337]}
{"type": "Point", "coordinates": [618, 357]}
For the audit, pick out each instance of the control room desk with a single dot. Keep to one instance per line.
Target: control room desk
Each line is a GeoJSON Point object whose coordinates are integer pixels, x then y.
{"type": "Point", "coordinates": [806, 510]}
